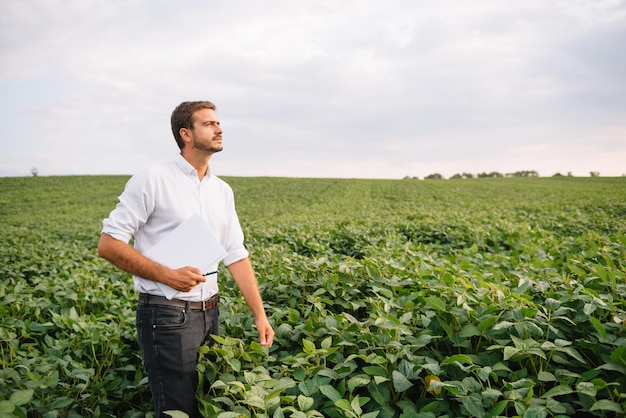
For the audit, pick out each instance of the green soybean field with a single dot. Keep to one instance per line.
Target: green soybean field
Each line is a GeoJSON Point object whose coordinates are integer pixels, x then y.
{"type": "Point", "coordinates": [390, 298]}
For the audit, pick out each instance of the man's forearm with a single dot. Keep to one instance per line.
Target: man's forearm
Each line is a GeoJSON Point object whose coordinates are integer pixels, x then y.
{"type": "Point", "coordinates": [128, 259]}
{"type": "Point", "coordinates": [246, 281]}
{"type": "Point", "coordinates": [243, 274]}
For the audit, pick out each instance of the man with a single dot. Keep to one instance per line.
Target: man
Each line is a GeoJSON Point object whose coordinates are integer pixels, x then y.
{"type": "Point", "coordinates": [155, 202]}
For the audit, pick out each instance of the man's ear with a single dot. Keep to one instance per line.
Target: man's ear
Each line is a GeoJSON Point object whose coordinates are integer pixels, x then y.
{"type": "Point", "coordinates": [185, 135]}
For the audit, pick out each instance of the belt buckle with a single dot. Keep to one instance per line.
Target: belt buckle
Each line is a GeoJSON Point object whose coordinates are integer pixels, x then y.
{"type": "Point", "coordinates": [210, 303]}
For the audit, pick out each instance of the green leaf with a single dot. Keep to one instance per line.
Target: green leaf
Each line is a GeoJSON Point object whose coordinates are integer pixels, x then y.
{"type": "Point", "coordinates": [328, 373]}
{"type": "Point", "coordinates": [587, 388]}
{"type": "Point", "coordinates": [358, 381]}
{"type": "Point", "coordinates": [308, 346]}
{"type": "Point", "coordinates": [573, 353]}
{"type": "Point", "coordinates": [255, 401]}
{"type": "Point", "coordinates": [474, 405]}
{"type": "Point", "coordinates": [538, 352]}
{"type": "Point", "coordinates": [458, 358]}
{"type": "Point", "coordinates": [307, 387]}
{"type": "Point", "coordinates": [536, 411]}
{"type": "Point", "coordinates": [510, 352]}
{"type": "Point", "coordinates": [618, 356]}
{"type": "Point", "coordinates": [235, 364]}
{"type": "Point", "coordinates": [380, 379]}
{"type": "Point", "coordinates": [220, 415]}
{"type": "Point", "coordinates": [62, 402]}
{"type": "Point", "coordinates": [503, 325]}
{"type": "Point", "coordinates": [376, 392]}
{"type": "Point", "coordinates": [330, 392]}
{"type": "Point", "coordinates": [305, 402]}
{"type": "Point", "coordinates": [469, 331]}
{"type": "Point", "coordinates": [400, 382]}
{"type": "Point", "coordinates": [446, 327]}
{"type": "Point", "coordinates": [546, 377]}
{"type": "Point", "coordinates": [344, 405]}
{"type": "Point", "coordinates": [487, 323]}
{"type": "Point", "coordinates": [436, 303]}
{"type": "Point", "coordinates": [180, 414]}
{"type": "Point", "coordinates": [6, 406]}
{"type": "Point", "coordinates": [498, 409]}
{"type": "Point", "coordinates": [589, 308]}
{"type": "Point", "coordinates": [375, 371]}
{"type": "Point", "coordinates": [552, 304]}
{"type": "Point", "coordinates": [490, 393]}
{"type": "Point", "coordinates": [558, 391]}
{"type": "Point", "coordinates": [356, 405]}
{"type": "Point", "coordinates": [607, 405]}
{"type": "Point", "coordinates": [250, 377]}
{"type": "Point", "coordinates": [327, 342]}
{"type": "Point", "coordinates": [597, 325]}
{"type": "Point", "coordinates": [556, 407]}
{"type": "Point", "coordinates": [21, 397]}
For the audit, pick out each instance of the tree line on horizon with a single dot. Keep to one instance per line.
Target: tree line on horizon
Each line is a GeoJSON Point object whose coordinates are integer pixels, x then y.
{"type": "Point", "coordinates": [495, 174]}
{"type": "Point", "coordinates": [436, 176]}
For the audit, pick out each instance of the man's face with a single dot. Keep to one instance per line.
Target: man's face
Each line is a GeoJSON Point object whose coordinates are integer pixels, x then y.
{"type": "Point", "coordinates": [206, 134]}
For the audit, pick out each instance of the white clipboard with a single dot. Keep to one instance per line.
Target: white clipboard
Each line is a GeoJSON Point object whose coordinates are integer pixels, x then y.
{"type": "Point", "coordinates": [193, 244]}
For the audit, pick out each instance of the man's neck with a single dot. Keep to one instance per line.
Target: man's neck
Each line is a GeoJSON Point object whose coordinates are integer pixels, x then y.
{"type": "Point", "coordinates": [199, 162]}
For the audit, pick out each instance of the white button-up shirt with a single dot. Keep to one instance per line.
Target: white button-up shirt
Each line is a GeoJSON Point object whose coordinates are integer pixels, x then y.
{"type": "Point", "coordinates": [158, 199]}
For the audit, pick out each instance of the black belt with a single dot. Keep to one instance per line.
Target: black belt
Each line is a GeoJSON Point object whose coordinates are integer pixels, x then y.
{"type": "Point", "coordinates": [205, 305]}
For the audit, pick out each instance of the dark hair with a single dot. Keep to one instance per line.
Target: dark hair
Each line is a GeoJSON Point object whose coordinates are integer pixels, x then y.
{"type": "Point", "coordinates": [181, 117]}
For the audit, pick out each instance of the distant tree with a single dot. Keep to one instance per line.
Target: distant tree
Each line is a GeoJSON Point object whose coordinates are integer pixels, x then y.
{"type": "Point", "coordinates": [435, 176]}
{"type": "Point", "coordinates": [34, 172]}
{"type": "Point", "coordinates": [527, 173]}
{"type": "Point", "coordinates": [468, 175]}
{"type": "Point", "coordinates": [492, 174]}
{"type": "Point", "coordinates": [594, 173]}
{"type": "Point", "coordinates": [457, 176]}
{"type": "Point", "coordinates": [557, 175]}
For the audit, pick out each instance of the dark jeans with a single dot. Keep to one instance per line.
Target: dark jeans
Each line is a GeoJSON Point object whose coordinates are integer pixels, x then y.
{"type": "Point", "coordinates": [169, 338]}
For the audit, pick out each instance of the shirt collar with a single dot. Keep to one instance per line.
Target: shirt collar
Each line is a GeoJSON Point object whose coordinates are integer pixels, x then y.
{"type": "Point", "coordinates": [187, 168]}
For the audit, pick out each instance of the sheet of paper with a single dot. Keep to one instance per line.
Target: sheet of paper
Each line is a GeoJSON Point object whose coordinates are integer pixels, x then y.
{"type": "Point", "coordinates": [193, 244]}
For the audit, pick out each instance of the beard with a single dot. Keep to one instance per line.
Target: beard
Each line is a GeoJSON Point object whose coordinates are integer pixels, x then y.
{"type": "Point", "coordinates": [211, 147]}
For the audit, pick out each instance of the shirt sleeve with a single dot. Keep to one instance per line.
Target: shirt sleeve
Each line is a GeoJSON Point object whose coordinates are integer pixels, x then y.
{"type": "Point", "coordinates": [133, 209]}
{"type": "Point", "coordinates": [235, 248]}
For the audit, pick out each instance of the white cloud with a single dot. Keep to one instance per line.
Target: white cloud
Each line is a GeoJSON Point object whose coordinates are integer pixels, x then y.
{"type": "Point", "coordinates": [316, 88]}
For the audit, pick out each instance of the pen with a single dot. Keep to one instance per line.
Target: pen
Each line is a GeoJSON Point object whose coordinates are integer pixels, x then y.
{"type": "Point", "coordinates": [209, 273]}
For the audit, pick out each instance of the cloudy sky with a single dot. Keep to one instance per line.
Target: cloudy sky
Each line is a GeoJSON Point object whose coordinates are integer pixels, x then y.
{"type": "Point", "coordinates": [317, 88]}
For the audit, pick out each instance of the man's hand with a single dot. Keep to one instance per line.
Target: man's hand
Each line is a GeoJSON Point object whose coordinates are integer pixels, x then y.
{"type": "Point", "coordinates": [184, 279]}
{"type": "Point", "coordinates": [266, 333]}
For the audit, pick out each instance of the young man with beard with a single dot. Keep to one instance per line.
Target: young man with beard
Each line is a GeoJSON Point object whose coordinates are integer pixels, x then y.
{"type": "Point", "coordinates": [154, 203]}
